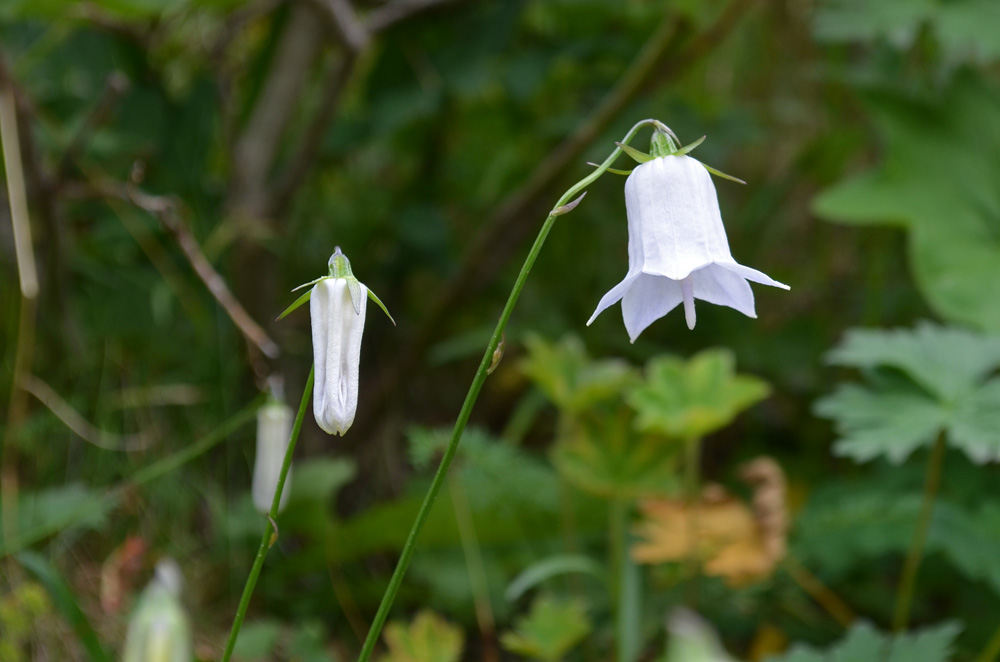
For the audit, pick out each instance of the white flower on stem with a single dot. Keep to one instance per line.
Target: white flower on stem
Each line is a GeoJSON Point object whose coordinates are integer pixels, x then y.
{"type": "Point", "coordinates": [274, 431]}
{"type": "Point", "coordinates": [337, 305]}
{"type": "Point", "coordinates": [677, 246]}
{"type": "Point", "coordinates": [338, 323]}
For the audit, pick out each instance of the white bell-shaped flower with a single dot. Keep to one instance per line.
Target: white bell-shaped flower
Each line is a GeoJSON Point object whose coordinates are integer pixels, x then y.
{"type": "Point", "coordinates": [274, 431]}
{"type": "Point", "coordinates": [677, 247]}
{"type": "Point", "coordinates": [337, 305]}
{"type": "Point", "coordinates": [338, 322]}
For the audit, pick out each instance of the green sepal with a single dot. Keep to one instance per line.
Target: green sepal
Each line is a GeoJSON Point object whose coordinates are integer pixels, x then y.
{"type": "Point", "coordinates": [354, 287]}
{"type": "Point", "coordinates": [298, 302]}
{"type": "Point", "coordinates": [719, 173]}
{"type": "Point", "coordinates": [613, 171]}
{"type": "Point", "coordinates": [639, 157]}
{"type": "Point", "coordinates": [312, 282]}
{"type": "Point", "coordinates": [687, 149]}
{"type": "Point", "coordinates": [371, 295]}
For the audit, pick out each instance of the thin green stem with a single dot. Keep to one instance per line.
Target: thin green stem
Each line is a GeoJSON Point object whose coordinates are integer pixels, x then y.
{"type": "Point", "coordinates": [904, 598]}
{"type": "Point", "coordinates": [270, 534]}
{"type": "Point", "coordinates": [618, 534]}
{"type": "Point", "coordinates": [113, 495]}
{"type": "Point", "coordinates": [470, 399]}
{"type": "Point", "coordinates": [992, 649]}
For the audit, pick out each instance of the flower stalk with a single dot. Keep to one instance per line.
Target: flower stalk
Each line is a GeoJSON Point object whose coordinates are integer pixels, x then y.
{"type": "Point", "coordinates": [477, 383]}
{"type": "Point", "coordinates": [270, 534]}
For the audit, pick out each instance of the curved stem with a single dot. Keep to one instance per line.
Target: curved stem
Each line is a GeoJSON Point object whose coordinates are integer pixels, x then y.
{"type": "Point", "coordinates": [904, 598]}
{"type": "Point", "coordinates": [270, 529]}
{"type": "Point", "coordinates": [473, 394]}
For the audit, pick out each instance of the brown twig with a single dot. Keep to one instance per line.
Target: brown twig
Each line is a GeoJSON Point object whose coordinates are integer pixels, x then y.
{"type": "Point", "coordinates": [507, 227]}
{"type": "Point", "coordinates": [350, 28]}
{"type": "Point", "coordinates": [80, 426]}
{"type": "Point", "coordinates": [166, 210]}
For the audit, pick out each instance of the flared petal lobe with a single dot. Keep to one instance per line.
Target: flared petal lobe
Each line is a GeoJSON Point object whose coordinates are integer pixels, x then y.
{"type": "Point", "coordinates": [677, 248]}
{"type": "Point", "coordinates": [337, 328]}
{"type": "Point", "coordinates": [274, 431]}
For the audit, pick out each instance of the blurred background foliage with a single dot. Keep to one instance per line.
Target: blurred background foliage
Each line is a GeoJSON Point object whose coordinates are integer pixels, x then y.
{"type": "Point", "coordinates": [167, 144]}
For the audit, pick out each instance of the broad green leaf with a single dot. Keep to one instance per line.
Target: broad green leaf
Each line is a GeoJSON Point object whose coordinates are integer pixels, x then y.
{"type": "Point", "coordinates": [937, 180]}
{"type": "Point", "coordinates": [549, 631]}
{"type": "Point", "coordinates": [891, 417]}
{"type": "Point", "coordinates": [318, 479]}
{"type": "Point", "coordinates": [429, 638]}
{"type": "Point", "coordinates": [572, 380]}
{"type": "Point", "coordinates": [863, 643]}
{"type": "Point", "coordinates": [871, 424]}
{"type": "Point", "coordinates": [689, 399]}
{"type": "Point", "coordinates": [948, 362]}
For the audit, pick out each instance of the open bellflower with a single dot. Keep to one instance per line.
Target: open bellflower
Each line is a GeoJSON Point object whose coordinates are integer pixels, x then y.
{"type": "Point", "coordinates": [677, 246]}
{"type": "Point", "coordinates": [337, 305]}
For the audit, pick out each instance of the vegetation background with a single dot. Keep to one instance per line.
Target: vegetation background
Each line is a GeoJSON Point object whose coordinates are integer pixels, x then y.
{"type": "Point", "coordinates": [188, 162]}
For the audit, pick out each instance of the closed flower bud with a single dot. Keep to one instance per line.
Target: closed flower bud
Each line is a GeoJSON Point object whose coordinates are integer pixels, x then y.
{"type": "Point", "coordinates": [159, 630]}
{"type": "Point", "coordinates": [274, 431]}
{"type": "Point", "coordinates": [677, 247]}
{"type": "Point", "coordinates": [337, 307]}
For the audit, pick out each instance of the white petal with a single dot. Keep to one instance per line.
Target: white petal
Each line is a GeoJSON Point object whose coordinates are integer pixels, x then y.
{"type": "Point", "coordinates": [674, 215]}
{"type": "Point", "coordinates": [649, 299]}
{"type": "Point", "coordinates": [612, 296]}
{"type": "Point", "coordinates": [752, 274]}
{"type": "Point", "coordinates": [337, 330]}
{"type": "Point", "coordinates": [723, 288]}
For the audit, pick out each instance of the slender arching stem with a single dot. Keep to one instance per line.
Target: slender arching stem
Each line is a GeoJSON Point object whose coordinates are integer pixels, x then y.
{"type": "Point", "coordinates": [904, 598]}
{"type": "Point", "coordinates": [470, 398]}
{"type": "Point", "coordinates": [270, 528]}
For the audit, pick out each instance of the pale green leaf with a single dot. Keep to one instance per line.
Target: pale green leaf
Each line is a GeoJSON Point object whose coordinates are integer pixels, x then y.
{"type": "Point", "coordinates": [689, 399]}
{"type": "Point", "coordinates": [429, 638]}
{"type": "Point", "coordinates": [549, 630]}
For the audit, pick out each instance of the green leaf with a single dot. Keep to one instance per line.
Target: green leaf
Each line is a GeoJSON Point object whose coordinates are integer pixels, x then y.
{"type": "Point", "coordinates": [371, 295]}
{"type": "Point", "coordinates": [572, 380]}
{"type": "Point", "coordinates": [552, 566]}
{"type": "Point", "coordinates": [945, 392]}
{"type": "Point", "coordinates": [549, 630]}
{"type": "Point", "coordinates": [319, 479]}
{"type": "Point", "coordinates": [863, 643]}
{"type": "Point", "coordinates": [429, 638]}
{"type": "Point", "coordinates": [257, 640]}
{"type": "Point", "coordinates": [600, 452]}
{"type": "Point", "coordinates": [937, 180]}
{"type": "Point", "coordinates": [689, 399]}
{"type": "Point", "coordinates": [871, 424]}
{"type": "Point", "coordinates": [947, 362]}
